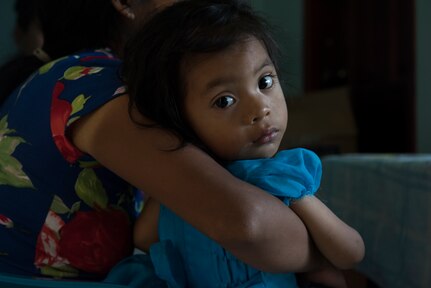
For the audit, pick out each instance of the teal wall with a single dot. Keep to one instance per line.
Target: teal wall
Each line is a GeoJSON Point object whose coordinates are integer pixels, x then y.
{"type": "Point", "coordinates": [286, 16]}
{"type": "Point", "coordinates": [7, 18]}
{"type": "Point", "coordinates": [423, 76]}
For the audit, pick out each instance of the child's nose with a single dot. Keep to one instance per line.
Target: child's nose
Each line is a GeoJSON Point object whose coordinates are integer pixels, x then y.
{"type": "Point", "coordinates": [264, 112]}
{"type": "Point", "coordinates": [258, 110]}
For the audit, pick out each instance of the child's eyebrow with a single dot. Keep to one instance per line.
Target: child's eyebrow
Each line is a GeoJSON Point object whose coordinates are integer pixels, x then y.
{"type": "Point", "coordinates": [218, 82]}
{"type": "Point", "coordinates": [265, 63]}
{"type": "Point", "coordinates": [228, 79]}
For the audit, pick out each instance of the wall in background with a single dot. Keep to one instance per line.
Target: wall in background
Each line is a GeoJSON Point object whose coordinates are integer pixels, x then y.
{"type": "Point", "coordinates": [423, 76]}
{"type": "Point", "coordinates": [287, 17]}
{"type": "Point", "coordinates": [7, 18]}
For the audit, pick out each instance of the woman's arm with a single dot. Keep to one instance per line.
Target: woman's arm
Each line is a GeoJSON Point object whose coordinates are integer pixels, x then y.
{"type": "Point", "coordinates": [253, 225]}
{"type": "Point", "coordinates": [338, 242]}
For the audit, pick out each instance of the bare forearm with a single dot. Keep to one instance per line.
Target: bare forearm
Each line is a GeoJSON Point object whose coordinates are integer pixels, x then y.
{"type": "Point", "coordinates": [268, 253]}
{"type": "Point", "coordinates": [281, 243]}
{"type": "Point", "coordinates": [255, 226]}
{"type": "Point", "coordinates": [338, 242]}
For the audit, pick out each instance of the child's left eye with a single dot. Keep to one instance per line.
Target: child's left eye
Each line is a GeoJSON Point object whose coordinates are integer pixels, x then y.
{"type": "Point", "coordinates": [266, 82]}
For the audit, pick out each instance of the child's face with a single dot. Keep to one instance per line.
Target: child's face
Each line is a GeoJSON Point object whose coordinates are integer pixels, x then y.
{"type": "Point", "coordinates": [234, 102]}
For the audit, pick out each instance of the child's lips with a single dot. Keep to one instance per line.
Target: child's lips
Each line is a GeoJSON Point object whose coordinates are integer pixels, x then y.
{"type": "Point", "coordinates": [267, 136]}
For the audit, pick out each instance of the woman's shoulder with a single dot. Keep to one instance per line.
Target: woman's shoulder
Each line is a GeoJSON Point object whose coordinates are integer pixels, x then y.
{"type": "Point", "coordinates": [93, 75]}
{"type": "Point", "coordinates": [88, 58]}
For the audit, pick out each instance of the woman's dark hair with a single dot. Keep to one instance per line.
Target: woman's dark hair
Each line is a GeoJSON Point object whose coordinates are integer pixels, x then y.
{"type": "Point", "coordinates": [68, 26]}
{"type": "Point", "coordinates": [25, 11]}
{"type": "Point", "coordinates": [153, 57]}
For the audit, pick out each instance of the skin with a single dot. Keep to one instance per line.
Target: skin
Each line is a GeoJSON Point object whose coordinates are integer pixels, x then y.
{"type": "Point", "coordinates": [247, 221]}
{"type": "Point", "coordinates": [250, 223]}
{"type": "Point", "coordinates": [236, 106]}
{"type": "Point", "coordinates": [238, 111]}
{"type": "Point", "coordinates": [28, 41]}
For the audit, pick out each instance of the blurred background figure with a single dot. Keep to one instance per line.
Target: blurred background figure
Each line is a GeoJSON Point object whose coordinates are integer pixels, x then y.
{"type": "Point", "coordinates": [28, 39]}
{"type": "Point", "coordinates": [27, 33]}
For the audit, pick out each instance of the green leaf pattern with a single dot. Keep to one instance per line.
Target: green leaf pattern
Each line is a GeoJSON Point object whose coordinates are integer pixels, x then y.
{"type": "Point", "coordinates": [77, 105]}
{"type": "Point", "coordinates": [60, 272]}
{"type": "Point", "coordinates": [76, 72]}
{"type": "Point", "coordinates": [58, 206]}
{"type": "Point", "coordinates": [90, 189]}
{"type": "Point", "coordinates": [45, 68]}
{"type": "Point", "coordinates": [11, 172]}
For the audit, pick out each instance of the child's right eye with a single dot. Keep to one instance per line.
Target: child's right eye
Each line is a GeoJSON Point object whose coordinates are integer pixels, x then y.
{"type": "Point", "coordinates": [224, 102]}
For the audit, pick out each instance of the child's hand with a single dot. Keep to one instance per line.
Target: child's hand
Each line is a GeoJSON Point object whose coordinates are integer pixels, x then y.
{"type": "Point", "coordinates": [327, 276]}
{"type": "Point", "coordinates": [146, 226]}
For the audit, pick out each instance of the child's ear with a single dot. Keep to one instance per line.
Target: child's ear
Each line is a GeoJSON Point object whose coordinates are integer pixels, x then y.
{"type": "Point", "coordinates": [124, 8]}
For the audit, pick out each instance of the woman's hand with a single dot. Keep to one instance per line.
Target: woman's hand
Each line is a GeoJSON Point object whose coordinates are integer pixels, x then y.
{"type": "Point", "coordinates": [247, 221]}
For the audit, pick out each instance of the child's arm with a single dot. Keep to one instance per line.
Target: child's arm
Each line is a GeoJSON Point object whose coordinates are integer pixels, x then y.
{"type": "Point", "coordinates": [294, 176]}
{"type": "Point", "coordinates": [251, 224]}
{"type": "Point", "coordinates": [338, 242]}
{"type": "Point", "coordinates": [146, 226]}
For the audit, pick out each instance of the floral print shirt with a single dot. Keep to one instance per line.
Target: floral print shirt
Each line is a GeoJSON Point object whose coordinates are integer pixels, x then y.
{"type": "Point", "coordinates": [61, 213]}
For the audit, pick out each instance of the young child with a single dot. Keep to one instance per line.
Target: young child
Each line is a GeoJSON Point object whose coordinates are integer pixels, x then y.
{"type": "Point", "coordinates": [207, 71]}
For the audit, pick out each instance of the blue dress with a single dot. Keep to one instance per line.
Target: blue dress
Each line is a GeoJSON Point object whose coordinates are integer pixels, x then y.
{"type": "Point", "coordinates": [60, 211]}
{"type": "Point", "coordinates": [184, 257]}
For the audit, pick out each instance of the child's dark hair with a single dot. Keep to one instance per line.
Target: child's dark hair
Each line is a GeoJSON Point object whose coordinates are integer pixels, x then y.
{"type": "Point", "coordinates": [153, 58]}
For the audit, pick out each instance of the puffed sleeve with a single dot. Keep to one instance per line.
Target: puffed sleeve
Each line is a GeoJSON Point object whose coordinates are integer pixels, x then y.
{"type": "Point", "coordinates": [289, 175]}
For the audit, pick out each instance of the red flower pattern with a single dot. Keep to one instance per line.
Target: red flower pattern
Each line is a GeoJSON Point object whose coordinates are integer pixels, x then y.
{"type": "Point", "coordinates": [60, 113]}
{"type": "Point", "coordinates": [5, 221]}
{"type": "Point", "coordinates": [47, 246]}
{"type": "Point", "coordinates": [94, 241]}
